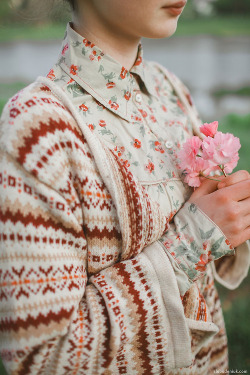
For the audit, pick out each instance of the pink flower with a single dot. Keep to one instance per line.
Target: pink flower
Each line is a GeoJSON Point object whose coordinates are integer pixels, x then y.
{"type": "Point", "coordinates": [222, 150]}
{"type": "Point", "coordinates": [209, 130]}
{"type": "Point", "coordinates": [189, 151]}
{"type": "Point", "coordinates": [199, 168]}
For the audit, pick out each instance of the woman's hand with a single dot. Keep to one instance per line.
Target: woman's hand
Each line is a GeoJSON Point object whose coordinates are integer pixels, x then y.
{"type": "Point", "coordinates": [233, 178]}
{"type": "Point", "coordinates": [228, 207]}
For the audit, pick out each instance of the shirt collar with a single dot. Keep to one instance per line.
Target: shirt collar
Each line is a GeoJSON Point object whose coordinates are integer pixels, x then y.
{"type": "Point", "coordinates": [102, 76]}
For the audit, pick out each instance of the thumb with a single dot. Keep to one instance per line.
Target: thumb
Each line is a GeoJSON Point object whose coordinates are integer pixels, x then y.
{"type": "Point", "coordinates": [206, 187]}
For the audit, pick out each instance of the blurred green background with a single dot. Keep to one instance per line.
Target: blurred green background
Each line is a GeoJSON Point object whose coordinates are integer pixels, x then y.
{"type": "Point", "coordinates": [25, 22]}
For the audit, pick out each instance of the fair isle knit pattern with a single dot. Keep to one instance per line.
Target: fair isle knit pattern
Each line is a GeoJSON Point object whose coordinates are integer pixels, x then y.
{"type": "Point", "coordinates": [78, 293]}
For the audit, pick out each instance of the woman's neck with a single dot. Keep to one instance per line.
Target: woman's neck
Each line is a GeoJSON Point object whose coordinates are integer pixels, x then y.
{"type": "Point", "coordinates": [122, 47]}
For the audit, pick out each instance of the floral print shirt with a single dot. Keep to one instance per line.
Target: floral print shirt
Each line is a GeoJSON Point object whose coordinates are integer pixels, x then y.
{"type": "Point", "coordinates": [139, 116]}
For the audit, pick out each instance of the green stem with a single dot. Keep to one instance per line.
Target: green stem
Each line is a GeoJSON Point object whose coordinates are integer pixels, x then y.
{"type": "Point", "coordinates": [222, 168]}
{"type": "Point", "coordinates": [213, 179]}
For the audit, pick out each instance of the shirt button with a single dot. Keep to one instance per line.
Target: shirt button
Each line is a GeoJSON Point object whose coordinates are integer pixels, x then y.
{"type": "Point", "coordinates": [138, 98]}
{"type": "Point", "coordinates": [169, 144]}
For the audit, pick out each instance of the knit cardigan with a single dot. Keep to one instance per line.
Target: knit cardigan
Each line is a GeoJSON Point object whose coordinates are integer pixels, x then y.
{"type": "Point", "coordinates": [85, 287]}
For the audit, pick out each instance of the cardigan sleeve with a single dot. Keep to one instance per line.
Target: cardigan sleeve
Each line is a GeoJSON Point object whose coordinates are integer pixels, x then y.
{"type": "Point", "coordinates": [55, 317]}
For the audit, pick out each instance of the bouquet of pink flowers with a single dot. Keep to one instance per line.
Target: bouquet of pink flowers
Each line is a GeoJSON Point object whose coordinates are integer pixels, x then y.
{"type": "Point", "coordinates": [217, 153]}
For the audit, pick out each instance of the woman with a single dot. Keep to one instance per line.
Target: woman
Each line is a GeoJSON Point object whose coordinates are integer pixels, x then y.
{"type": "Point", "coordinates": [107, 257]}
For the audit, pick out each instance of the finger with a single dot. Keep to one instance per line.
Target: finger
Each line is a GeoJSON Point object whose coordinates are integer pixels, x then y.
{"type": "Point", "coordinates": [238, 191]}
{"type": "Point", "coordinates": [244, 206]}
{"type": "Point", "coordinates": [247, 222]}
{"type": "Point", "coordinates": [245, 236]}
{"type": "Point", "coordinates": [206, 187]}
{"type": "Point", "coordinates": [233, 178]}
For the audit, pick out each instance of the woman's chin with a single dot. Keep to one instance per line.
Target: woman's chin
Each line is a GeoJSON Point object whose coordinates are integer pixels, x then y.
{"type": "Point", "coordinates": [163, 31]}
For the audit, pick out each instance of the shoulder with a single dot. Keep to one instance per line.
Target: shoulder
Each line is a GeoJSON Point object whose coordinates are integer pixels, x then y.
{"type": "Point", "coordinates": [163, 75]}
{"type": "Point", "coordinates": [40, 133]}
{"type": "Point", "coordinates": [31, 114]}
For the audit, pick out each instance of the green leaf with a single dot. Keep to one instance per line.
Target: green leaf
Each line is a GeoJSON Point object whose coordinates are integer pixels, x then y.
{"type": "Point", "coordinates": [216, 245]}
{"type": "Point", "coordinates": [195, 248]}
{"type": "Point", "coordinates": [192, 258]}
{"type": "Point", "coordinates": [101, 68]}
{"type": "Point", "coordinates": [184, 227]}
{"type": "Point", "coordinates": [176, 204]}
{"type": "Point", "coordinates": [181, 249]}
{"type": "Point", "coordinates": [142, 130]}
{"type": "Point", "coordinates": [76, 44]}
{"type": "Point", "coordinates": [136, 163]}
{"type": "Point", "coordinates": [114, 98]}
{"type": "Point", "coordinates": [192, 208]}
{"type": "Point", "coordinates": [192, 273]}
{"type": "Point", "coordinates": [206, 235]}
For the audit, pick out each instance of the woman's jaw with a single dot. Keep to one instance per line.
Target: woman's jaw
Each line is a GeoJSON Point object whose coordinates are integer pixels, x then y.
{"type": "Point", "coordinates": [118, 25]}
{"type": "Point", "coordinates": [137, 18]}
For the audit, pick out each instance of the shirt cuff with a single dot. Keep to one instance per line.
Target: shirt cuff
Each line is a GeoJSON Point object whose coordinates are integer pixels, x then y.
{"type": "Point", "coordinates": [194, 240]}
{"type": "Point", "coordinates": [231, 271]}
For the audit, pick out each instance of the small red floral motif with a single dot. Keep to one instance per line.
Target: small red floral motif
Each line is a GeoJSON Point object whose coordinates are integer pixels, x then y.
{"type": "Point", "coordinates": [102, 123]}
{"type": "Point", "coordinates": [87, 43]}
{"type": "Point", "coordinates": [119, 150]}
{"type": "Point", "coordinates": [65, 48]}
{"type": "Point", "coordinates": [205, 244]}
{"type": "Point", "coordinates": [123, 73]}
{"type": "Point", "coordinates": [137, 143]}
{"type": "Point", "coordinates": [127, 95]}
{"type": "Point", "coordinates": [144, 113]}
{"type": "Point", "coordinates": [204, 259]}
{"type": "Point", "coordinates": [152, 118]}
{"type": "Point", "coordinates": [138, 61]}
{"type": "Point", "coordinates": [110, 85]}
{"type": "Point", "coordinates": [70, 81]}
{"type": "Point", "coordinates": [83, 107]}
{"type": "Point", "coordinates": [181, 106]}
{"type": "Point", "coordinates": [91, 126]}
{"type": "Point", "coordinates": [229, 244]}
{"type": "Point", "coordinates": [158, 147]}
{"type": "Point", "coordinates": [164, 108]}
{"type": "Point", "coordinates": [167, 243]}
{"type": "Point", "coordinates": [125, 163]}
{"type": "Point", "coordinates": [136, 118]}
{"type": "Point", "coordinates": [150, 167]}
{"type": "Point", "coordinates": [51, 74]}
{"type": "Point", "coordinates": [113, 105]}
{"type": "Point", "coordinates": [73, 69]}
